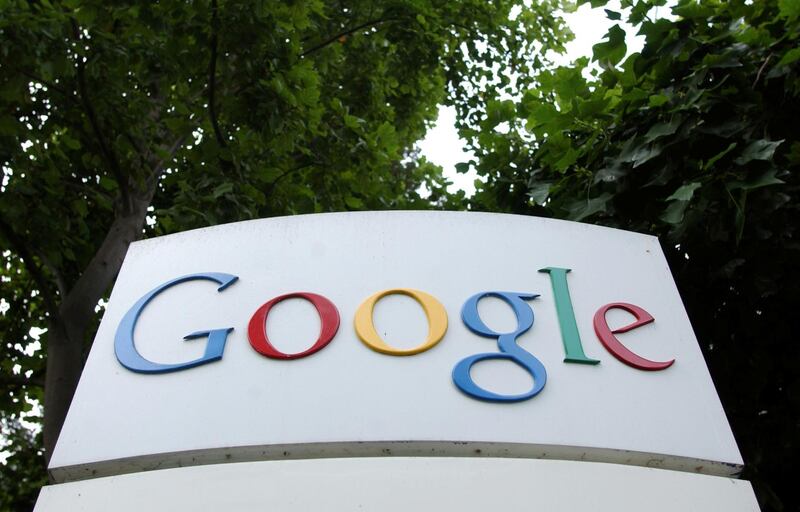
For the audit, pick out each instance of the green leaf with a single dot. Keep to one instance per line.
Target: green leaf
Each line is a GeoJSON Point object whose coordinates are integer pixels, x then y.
{"type": "Point", "coordinates": [107, 183]}
{"type": "Point", "coordinates": [724, 130]}
{"type": "Point", "coordinates": [582, 209]}
{"type": "Point", "coordinates": [568, 158]}
{"type": "Point", "coordinates": [725, 60]}
{"type": "Point", "coordinates": [692, 9]}
{"type": "Point", "coordinates": [794, 153]}
{"type": "Point", "coordinates": [662, 129]}
{"type": "Point", "coordinates": [613, 50]}
{"type": "Point", "coordinates": [639, 153]}
{"type": "Point", "coordinates": [85, 15]}
{"type": "Point", "coordinates": [81, 207]}
{"type": "Point", "coordinates": [498, 112]}
{"type": "Point", "coordinates": [387, 138]}
{"type": "Point", "coordinates": [761, 149]}
{"type": "Point", "coordinates": [612, 15]}
{"type": "Point", "coordinates": [789, 9]}
{"type": "Point", "coordinates": [673, 214]}
{"type": "Point", "coordinates": [222, 189]}
{"type": "Point", "coordinates": [545, 118]}
{"type": "Point", "coordinates": [69, 253]}
{"type": "Point", "coordinates": [462, 167]}
{"type": "Point", "coordinates": [70, 142]}
{"type": "Point", "coordinates": [639, 11]}
{"type": "Point", "coordinates": [354, 202]}
{"type": "Point", "coordinates": [611, 172]}
{"type": "Point", "coordinates": [591, 108]}
{"type": "Point", "coordinates": [685, 192]}
{"type": "Point", "coordinates": [540, 192]}
{"type": "Point", "coordinates": [790, 56]}
{"type": "Point", "coordinates": [353, 122]}
{"type": "Point", "coordinates": [656, 100]}
{"type": "Point", "coordinates": [763, 180]}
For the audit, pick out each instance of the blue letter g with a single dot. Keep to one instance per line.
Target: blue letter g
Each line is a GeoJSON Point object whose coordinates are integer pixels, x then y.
{"type": "Point", "coordinates": [125, 349]}
{"type": "Point", "coordinates": [506, 342]}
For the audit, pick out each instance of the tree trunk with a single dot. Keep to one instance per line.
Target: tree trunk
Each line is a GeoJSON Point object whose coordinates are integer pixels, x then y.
{"type": "Point", "coordinates": [67, 332]}
{"type": "Point", "coordinates": [64, 364]}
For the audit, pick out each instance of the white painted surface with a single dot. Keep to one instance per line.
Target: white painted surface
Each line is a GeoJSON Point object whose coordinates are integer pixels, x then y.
{"type": "Point", "coordinates": [402, 484]}
{"type": "Point", "coordinates": [350, 401]}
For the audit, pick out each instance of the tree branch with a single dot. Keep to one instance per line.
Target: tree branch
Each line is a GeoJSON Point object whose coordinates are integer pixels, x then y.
{"type": "Point", "coordinates": [344, 34]}
{"type": "Point", "coordinates": [141, 153]}
{"type": "Point", "coordinates": [158, 167]}
{"type": "Point", "coordinates": [78, 305]}
{"type": "Point", "coordinates": [108, 153]}
{"type": "Point", "coordinates": [285, 173]}
{"type": "Point", "coordinates": [17, 381]}
{"type": "Point", "coordinates": [61, 284]}
{"type": "Point", "coordinates": [212, 71]}
{"type": "Point", "coordinates": [761, 70]}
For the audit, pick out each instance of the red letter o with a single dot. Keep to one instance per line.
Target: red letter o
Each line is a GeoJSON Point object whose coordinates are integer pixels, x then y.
{"type": "Point", "coordinates": [257, 328]}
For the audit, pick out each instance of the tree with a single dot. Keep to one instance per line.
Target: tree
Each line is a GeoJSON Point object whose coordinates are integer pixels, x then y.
{"type": "Point", "coordinates": [693, 139]}
{"type": "Point", "coordinates": [188, 114]}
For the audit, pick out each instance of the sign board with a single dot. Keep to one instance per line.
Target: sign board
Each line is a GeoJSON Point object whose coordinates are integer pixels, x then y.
{"type": "Point", "coordinates": [394, 333]}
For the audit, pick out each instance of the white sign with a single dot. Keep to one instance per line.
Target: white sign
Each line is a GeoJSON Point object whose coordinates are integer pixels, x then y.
{"type": "Point", "coordinates": [487, 309]}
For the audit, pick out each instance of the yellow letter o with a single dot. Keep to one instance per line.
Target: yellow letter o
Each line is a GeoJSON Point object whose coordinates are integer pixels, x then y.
{"type": "Point", "coordinates": [434, 311]}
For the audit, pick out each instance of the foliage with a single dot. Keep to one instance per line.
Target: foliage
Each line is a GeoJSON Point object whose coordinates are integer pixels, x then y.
{"type": "Point", "coordinates": [196, 113]}
{"type": "Point", "coordinates": [22, 476]}
{"type": "Point", "coordinates": [693, 139]}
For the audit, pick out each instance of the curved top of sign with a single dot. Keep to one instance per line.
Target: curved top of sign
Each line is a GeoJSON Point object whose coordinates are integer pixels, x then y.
{"type": "Point", "coordinates": [394, 333]}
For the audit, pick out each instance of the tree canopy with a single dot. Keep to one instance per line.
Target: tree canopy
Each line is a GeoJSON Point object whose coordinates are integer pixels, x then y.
{"type": "Point", "coordinates": [693, 139]}
{"type": "Point", "coordinates": [127, 119]}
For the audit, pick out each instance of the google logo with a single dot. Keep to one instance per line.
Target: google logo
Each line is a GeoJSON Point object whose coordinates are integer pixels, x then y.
{"type": "Point", "coordinates": [508, 349]}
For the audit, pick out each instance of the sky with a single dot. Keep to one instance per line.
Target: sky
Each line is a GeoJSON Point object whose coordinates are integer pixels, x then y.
{"type": "Point", "coordinates": [442, 145]}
